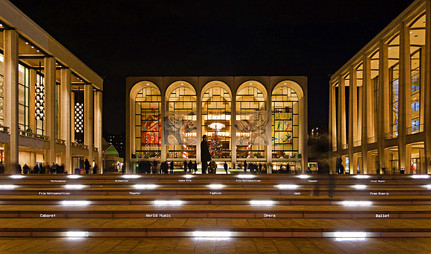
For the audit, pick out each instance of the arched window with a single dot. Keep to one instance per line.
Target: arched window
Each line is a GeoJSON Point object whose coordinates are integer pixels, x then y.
{"type": "Point", "coordinates": [216, 118]}
{"type": "Point", "coordinates": [285, 121]}
{"type": "Point", "coordinates": [251, 120]}
{"type": "Point", "coordinates": [148, 122]}
{"type": "Point", "coordinates": [181, 121]}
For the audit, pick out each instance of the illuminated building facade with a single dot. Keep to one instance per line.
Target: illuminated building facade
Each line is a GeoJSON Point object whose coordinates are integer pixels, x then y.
{"type": "Point", "coordinates": [257, 118]}
{"type": "Point", "coordinates": [50, 101]}
{"type": "Point", "coordinates": [380, 100]}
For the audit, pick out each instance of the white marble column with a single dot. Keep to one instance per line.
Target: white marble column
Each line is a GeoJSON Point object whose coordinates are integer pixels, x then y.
{"type": "Point", "coordinates": [65, 110]}
{"type": "Point", "coordinates": [403, 97]}
{"type": "Point", "coordinates": [89, 120]}
{"type": "Point", "coordinates": [427, 88]}
{"type": "Point", "coordinates": [233, 113]}
{"type": "Point", "coordinates": [49, 120]}
{"type": "Point", "coordinates": [353, 116]}
{"type": "Point", "coordinates": [10, 42]}
{"type": "Point", "coordinates": [98, 104]}
{"type": "Point", "coordinates": [366, 111]}
{"type": "Point", "coordinates": [341, 130]}
{"type": "Point", "coordinates": [383, 110]}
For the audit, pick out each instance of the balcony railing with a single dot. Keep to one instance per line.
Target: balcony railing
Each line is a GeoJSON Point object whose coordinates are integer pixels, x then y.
{"type": "Point", "coordinates": [79, 145]}
{"type": "Point", "coordinates": [415, 129]}
{"type": "Point", "coordinates": [60, 141]}
{"type": "Point", "coordinates": [4, 129]}
{"type": "Point", "coordinates": [390, 135]}
{"type": "Point", "coordinates": [32, 135]}
{"type": "Point", "coordinates": [356, 143]}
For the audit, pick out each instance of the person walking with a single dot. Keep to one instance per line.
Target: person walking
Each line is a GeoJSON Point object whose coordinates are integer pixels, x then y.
{"type": "Point", "coordinates": [225, 167]}
{"type": "Point", "coordinates": [205, 154]}
{"type": "Point", "coordinates": [87, 166]}
{"type": "Point", "coordinates": [172, 167]}
{"type": "Point", "coordinates": [190, 167]}
{"type": "Point", "coordinates": [245, 166]}
{"type": "Point", "coordinates": [185, 167]}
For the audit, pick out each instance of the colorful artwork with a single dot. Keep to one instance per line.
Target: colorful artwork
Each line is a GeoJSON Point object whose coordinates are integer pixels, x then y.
{"type": "Point", "coordinates": [180, 128]}
{"type": "Point", "coordinates": [253, 130]}
{"type": "Point", "coordinates": [150, 130]}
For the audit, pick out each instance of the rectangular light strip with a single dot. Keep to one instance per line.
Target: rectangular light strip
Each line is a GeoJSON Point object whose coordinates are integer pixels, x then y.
{"type": "Point", "coordinates": [76, 234]}
{"type": "Point", "coordinates": [287, 186]}
{"type": "Point", "coordinates": [8, 186]}
{"type": "Point", "coordinates": [168, 202]}
{"type": "Point", "coordinates": [145, 186]}
{"type": "Point", "coordinates": [16, 176]}
{"type": "Point", "coordinates": [420, 176]}
{"type": "Point", "coordinates": [188, 176]}
{"type": "Point", "coordinates": [262, 202]}
{"type": "Point", "coordinates": [246, 176]}
{"type": "Point", "coordinates": [303, 176]}
{"type": "Point", "coordinates": [428, 186]}
{"type": "Point", "coordinates": [217, 234]}
{"type": "Point", "coordinates": [362, 176]}
{"type": "Point", "coordinates": [74, 176]}
{"type": "Point", "coordinates": [356, 203]}
{"type": "Point", "coordinates": [216, 186]}
{"type": "Point", "coordinates": [130, 176]}
{"type": "Point", "coordinates": [75, 186]}
{"type": "Point", "coordinates": [75, 202]}
{"type": "Point", "coordinates": [359, 186]}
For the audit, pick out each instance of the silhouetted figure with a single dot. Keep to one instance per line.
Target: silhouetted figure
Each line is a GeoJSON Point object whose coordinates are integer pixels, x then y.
{"type": "Point", "coordinates": [225, 167]}
{"type": "Point", "coordinates": [87, 166]}
{"type": "Point", "coordinates": [195, 167]}
{"type": "Point", "coordinates": [245, 166]}
{"type": "Point", "coordinates": [172, 167]}
{"type": "Point", "coordinates": [26, 169]}
{"type": "Point", "coordinates": [185, 167]}
{"type": "Point", "coordinates": [36, 169]}
{"type": "Point", "coordinates": [190, 166]}
{"type": "Point", "coordinates": [205, 154]}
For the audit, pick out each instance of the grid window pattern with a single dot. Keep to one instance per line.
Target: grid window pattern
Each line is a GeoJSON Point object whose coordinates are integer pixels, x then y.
{"type": "Point", "coordinates": [415, 60]}
{"type": "Point", "coordinates": [249, 99]}
{"type": "Point", "coordinates": [182, 100]}
{"type": "Point", "coordinates": [285, 122]}
{"type": "Point", "coordinates": [40, 103]}
{"type": "Point", "coordinates": [23, 97]}
{"type": "Point", "coordinates": [395, 88]}
{"type": "Point", "coordinates": [216, 119]}
{"type": "Point", "coordinates": [148, 123]}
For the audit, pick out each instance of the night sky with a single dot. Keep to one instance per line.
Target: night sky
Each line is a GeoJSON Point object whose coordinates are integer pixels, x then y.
{"type": "Point", "coordinates": [211, 38]}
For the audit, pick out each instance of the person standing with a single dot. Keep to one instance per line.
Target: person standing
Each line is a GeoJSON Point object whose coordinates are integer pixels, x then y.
{"type": "Point", "coordinates": [205, 154]}
{"type": "Point", "coordinates": [245, 166]}
{"type": "Point", "coordinates": [190, 167]}
{"type": "Point", "coordinates": [185, 167]}
{"type": "Point", "coordinates": [172, 167]}
{"type": "Point", "coordinates": [225, 167]}
{"type": "Point", "coordinates": [87, 166]}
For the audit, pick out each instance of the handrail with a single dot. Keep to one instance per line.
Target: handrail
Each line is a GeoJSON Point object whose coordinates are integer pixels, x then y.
{"type": "Point", "coordinates": [79, 145]}
{"type": "Point", "coordinates": [32, 135]}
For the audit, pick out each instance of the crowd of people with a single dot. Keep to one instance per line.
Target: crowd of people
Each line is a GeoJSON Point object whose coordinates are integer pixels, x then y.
{"type": "Point", "coordinates": [55, 168]}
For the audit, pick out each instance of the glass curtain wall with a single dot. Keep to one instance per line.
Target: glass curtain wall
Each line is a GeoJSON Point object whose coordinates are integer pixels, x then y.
{"type": "Point", "coordinates": [23, 97]}
{"type": "Point", "coordinates": [1, 90]}
{"type": "Point", "coordinates": [148, 123]}
{"type": "Point", "coordinates": [394, 81]}
{"type": "Point", "coordinates": [251, 122]}
{"type": "Point", "coordinates": [375, 84]}
{"type": "Point", "coordinates": [285, 122]}
{"type": "Point", "coordinates": [417, 45]}
{"type": "Point", "coordinates": [216, 120]}
{"type": "Point", "coordinates": [181, 122]}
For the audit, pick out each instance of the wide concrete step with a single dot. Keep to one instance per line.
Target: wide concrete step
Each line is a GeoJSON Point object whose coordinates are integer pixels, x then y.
{"type": "Point", "coordinates": [173, 227]}
{"type": "Point", "coordinates": [184, 210]}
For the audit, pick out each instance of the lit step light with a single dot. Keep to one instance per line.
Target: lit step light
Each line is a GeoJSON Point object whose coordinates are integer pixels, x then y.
{"type": "Point", "coordinates": [359, 186]}
{"type": "Point", "coordinates": [145, 186]}
{"type": "Point", "coordinates": [76, 234]}
{"type": "Point", "coordinates": [246, 176]}
{"type": "Point", "coordinates": [262, 202]}
{"type": "Point", "coordinates": [287, 186]}
{"type": "Point", "coordinates": [75, 202]}
{"type": "Point", "coordinates": [130, 176]}
{"type": "Point", "coordinates": [362, 176]}
{"type": "Point", "coordinates": [16, 176]}
{"type": "Point", "coordinates": [188, 176]}
{"type": "Point", "coordinates": [420, 176]}
{"type": "Point", "coordinates": [349, 236]}
{"type": "Point", "coordinates": [74, 176]}
{"type": "Point", "coordinates": [356, 203]}
{"type": "Point", "coordinates": [428, 186]}
{"type": "Point", "coordinates": [216, 186]}
{"type": "Point", "coordinates": [75, 186]}
{"type": "Point", "coordinates": [215, 234]}
{"type": "Point", "coordinates": [303, 176]}
{"type": "Point", "coordinates": [168, 202]}
{"type": "Point", "coordinates": [8, 186]}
